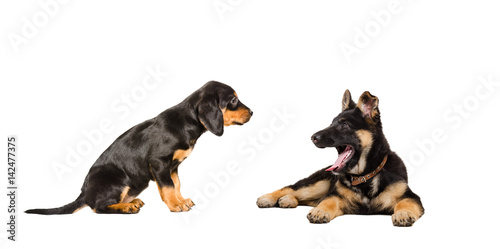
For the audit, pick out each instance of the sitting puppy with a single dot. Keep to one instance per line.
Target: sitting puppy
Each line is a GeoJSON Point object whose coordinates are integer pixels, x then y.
{"type": "Point", "coordinates": [366, 178]}
{"type": "Point", "coordinates": [153, 151]}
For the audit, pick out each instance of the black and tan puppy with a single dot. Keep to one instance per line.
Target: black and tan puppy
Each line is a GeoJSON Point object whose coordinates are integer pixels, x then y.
{"type": "Point", "coordinates": [366, 178]}
{"type": "Point", "coordinates": [153, 150]}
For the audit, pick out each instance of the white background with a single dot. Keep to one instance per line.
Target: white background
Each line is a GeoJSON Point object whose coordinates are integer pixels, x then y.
{"type": "Point", "coordinates": [425, 63]}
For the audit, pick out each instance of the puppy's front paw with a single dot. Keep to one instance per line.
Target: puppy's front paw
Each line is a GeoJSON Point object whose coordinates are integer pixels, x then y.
{"type": "Point", "coordinates": [403, 219]}
{"type": "Point", "coordinates": [288, 201]}
{"type": "Point", "coordinates": [266, 201]}
{"type": "Point", "coordinates": [188, 202]}
{"type": "Point", "coordinates": [137, 202]}
{"type": "Point", "coordinates": [318, 215]}
{"type": "Point", "coordinates": [178, 207]}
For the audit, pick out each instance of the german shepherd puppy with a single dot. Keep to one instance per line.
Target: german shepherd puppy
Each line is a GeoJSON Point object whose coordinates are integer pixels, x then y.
{"type": "Point", "coordinates": [366, 178]}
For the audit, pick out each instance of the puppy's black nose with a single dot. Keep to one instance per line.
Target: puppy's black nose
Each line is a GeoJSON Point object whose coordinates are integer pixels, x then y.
{"type": "Point", "coordinates": [315, 138]}
{"type": "Point", "coordinates": [251, 112]}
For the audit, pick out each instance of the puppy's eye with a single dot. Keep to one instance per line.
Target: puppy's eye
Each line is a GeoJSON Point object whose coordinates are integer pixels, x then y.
{"type": "Point", "coordinates": [234, 101]}
{"type": "Point", "coordinates": [344, 125]}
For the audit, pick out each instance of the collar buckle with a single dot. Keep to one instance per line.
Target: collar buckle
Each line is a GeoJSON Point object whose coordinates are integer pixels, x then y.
{"type": "Point", "coordinates": [358, 180]}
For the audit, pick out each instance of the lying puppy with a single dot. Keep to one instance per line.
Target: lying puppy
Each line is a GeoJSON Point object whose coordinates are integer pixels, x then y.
{"type": "Point", "coordinates": [366, 178]}
{"type": "Point", "coordinates": [153, 151]}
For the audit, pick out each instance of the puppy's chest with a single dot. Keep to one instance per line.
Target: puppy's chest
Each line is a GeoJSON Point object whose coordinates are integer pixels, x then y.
{"type": "Point", "coordinates": [365, 196]}
{"type": "Point", "coordinates": [364, 200]}
{"type": "Point", "coordinates": [181, 154]}
{"type": "Point", "coordinates": [372, 197]}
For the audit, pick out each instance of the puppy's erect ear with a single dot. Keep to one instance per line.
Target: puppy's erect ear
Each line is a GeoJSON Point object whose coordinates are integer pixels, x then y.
{"type": "Point", "coordinates": [347, 102]}
{"type": "Point", "coordinates": [210, 115]}
{"type": "Point", "coordinates": [368, 104]}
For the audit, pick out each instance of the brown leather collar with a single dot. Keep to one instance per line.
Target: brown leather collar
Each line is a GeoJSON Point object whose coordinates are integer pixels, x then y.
{"type": "Point", "coordinates": [356, 180]}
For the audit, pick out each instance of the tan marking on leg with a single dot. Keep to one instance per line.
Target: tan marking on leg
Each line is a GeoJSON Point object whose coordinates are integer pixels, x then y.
{"type": "Point", "coordinates": [170, 198]}
{"type": "Point", "coordinates": [326, 210]}
{"type": "Point", "coordinates": [128, 198]}
{"type": "Point", "coordinates": [127, 204]}
{"type": "Point", "coordinates": [180, 155]}
{"type": "Point", "coordinates": [389, 197]}
{"type": "Point", "coordinates": [302, 195]}
{"type": "Point", "coordinates": [406, 212]}
{"type": "Point", "coordinates": [124, 193]}
{"type": "Point", "coordinates": [127, 207]}
{"type": "Point", "coordinates": [313, 192]}
{"type": "Point", "coordinates": [408, 204]}
{"type": "Point", "coordinates": [312, 203]}
{"type": "Point", "coordinates": [125, 197]}
{"type": "Point", "coordinates": [177, 184]}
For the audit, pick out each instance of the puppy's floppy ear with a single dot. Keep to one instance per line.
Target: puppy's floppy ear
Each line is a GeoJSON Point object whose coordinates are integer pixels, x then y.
{"type": "Point", "coordinates": [368, 104]}
{"type": "Point", "coordinates": [210, 115]}
{"type": "Point", "coordinates": [347, 102]}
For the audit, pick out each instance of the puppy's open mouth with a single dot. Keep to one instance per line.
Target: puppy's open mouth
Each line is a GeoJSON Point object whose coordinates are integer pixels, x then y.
{"type": "Point", "coordinates": [344, 157]}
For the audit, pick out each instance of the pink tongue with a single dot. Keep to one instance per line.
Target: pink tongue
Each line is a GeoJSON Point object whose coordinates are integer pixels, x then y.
{"type": "Point", "coordinates": [338, 164]}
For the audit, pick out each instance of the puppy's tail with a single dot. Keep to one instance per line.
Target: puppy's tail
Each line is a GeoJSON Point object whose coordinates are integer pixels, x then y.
{"type": "Point", "coordinates": [66, 209]}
